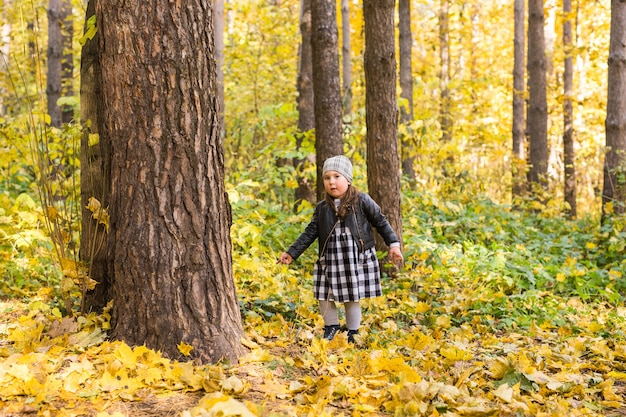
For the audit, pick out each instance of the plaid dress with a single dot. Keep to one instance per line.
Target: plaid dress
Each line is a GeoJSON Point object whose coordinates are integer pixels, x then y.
{"type": "Point", "coordinates": [343, 273]}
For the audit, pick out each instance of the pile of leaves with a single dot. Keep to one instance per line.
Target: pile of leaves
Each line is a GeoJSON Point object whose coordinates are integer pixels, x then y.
{"type": "Point", "coordinates": [497, 312]}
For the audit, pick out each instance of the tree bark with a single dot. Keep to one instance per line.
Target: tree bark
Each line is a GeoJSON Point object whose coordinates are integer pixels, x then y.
{"type": "Point", "coordinates": [406, 84]}
{"type": "Point", "coordinates": [306, 112]}
{"type": "Point", "coordinates": [406, 67]}
{"type": "Point", "coordinates": [445, 118]}
{"type": "Point", "coordinates": [537, 123]}
{"type": "Point", "coordinates": [60, 62]}
{"type": "Point", "coordinates": [67, 61]}
{"type": "Point", "coordinates": [381, 111]}
{"type": "Point", "coordinates": [5, 51]}
{"type": "Point", "coordinates": [218, 24]}
{"type": "Point", "coordinates": [614, 189]}
{"type": "Point", "coordinates": [95, 161]}
{"type": "Point", "coordinates": [326, 86]}
{"type": "Point", "coordinates": [568, 116]}
{"type": "Point", "coordinates": [346, 57]}
{"type": "Point", "coordinates": [518, 163]}
{"type": "Point", "coordinates": [55, 54]}
{"type": "Point", "coordinates": [169, 243]}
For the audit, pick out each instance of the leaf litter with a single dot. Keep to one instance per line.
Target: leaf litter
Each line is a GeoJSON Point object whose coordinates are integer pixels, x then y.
{"type": "Point", "coordinates": [430, 362]}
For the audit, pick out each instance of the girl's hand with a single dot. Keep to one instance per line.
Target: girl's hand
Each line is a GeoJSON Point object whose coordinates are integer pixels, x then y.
{"type": "Point", "coordinates": [396, 254]}
{"type": "Point", "coordinates": [284, 258]}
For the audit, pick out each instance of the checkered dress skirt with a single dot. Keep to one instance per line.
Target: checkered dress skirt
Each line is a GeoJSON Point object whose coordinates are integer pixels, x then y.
{"type": "Point", "coordinates": [343, 273]}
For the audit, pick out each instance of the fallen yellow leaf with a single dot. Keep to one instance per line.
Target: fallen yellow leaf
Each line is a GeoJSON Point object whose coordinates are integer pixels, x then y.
{"type": "Point", "coordinates": [184, 348]}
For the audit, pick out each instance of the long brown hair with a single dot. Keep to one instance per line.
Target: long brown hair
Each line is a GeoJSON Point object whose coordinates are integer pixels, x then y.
{"type": "Point", "coordinates": [349, 200]}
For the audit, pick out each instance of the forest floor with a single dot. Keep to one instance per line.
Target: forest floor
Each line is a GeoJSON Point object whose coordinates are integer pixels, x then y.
{"type": "Point", "coordinates": [425, 366]}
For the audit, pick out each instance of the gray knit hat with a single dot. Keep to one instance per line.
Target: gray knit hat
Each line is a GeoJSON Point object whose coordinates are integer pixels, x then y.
{"type": "Point", "coordinates": [340, 164]}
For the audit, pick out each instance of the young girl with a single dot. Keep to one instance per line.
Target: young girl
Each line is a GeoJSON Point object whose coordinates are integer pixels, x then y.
{"type": "Point", "coordinates": [347, 269]}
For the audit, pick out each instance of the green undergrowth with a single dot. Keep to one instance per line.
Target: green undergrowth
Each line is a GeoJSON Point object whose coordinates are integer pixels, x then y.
{"type": "Point", "coordinates": [469, 259]}
{"type": "Point", "coordinates": [505, 268]}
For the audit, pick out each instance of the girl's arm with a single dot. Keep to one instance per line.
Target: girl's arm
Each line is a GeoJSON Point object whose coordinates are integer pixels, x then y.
{"type": "Point", "coordinates": [305, 240]}
{"type": "Point", "coordinates": [377, 219]}
{"type": "Point", "coordinates": [395, 253]}
{"type": "Point", "coordinates": [284, 258]}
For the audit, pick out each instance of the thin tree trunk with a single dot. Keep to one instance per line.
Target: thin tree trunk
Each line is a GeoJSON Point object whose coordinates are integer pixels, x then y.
{"type": "Point", "coordinates": [306, 112]}
{"type": "Point", "coordinates": [381, 111]}
{"type": "Point", "coordinates": [327, 90]}
{"type": "Point", "coordinates": [55, 55]}
{"type": "Point", "coordinates": [614, 189]}
{"type": "Point", "coordinates": [445, 118]}
{"type": "Point", "coordinates": [518, 164]}
{"type": "Point", "coordinates": [95, 160]}
{"type": "Point", "coordinates": [169, 241]}
{"type": "Point", "coordinates": [537, 123]}
{"type": "Point", "coordinates": [406, 82]}
{"type": "Point", "coordinates": [346, 57]}
{"type": "Point", "coordinates": [67, 62]}
{"type": "Point", "coordinates": [568, 117]}
{"type": "Point", "coordinates": [5, 50]}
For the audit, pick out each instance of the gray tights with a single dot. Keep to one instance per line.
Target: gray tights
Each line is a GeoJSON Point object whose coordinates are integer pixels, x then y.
{"type": "Point", "coordinates": [331, 314]}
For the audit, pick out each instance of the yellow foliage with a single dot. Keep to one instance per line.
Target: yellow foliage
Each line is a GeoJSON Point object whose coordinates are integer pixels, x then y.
{"type": "Point", "coordinates": [443, 322]}
{"type": "Point", "coordinates": [184, 348]}
{"type": "Point", "coordinates": [590, 245]}
{"type": "Point", "coordinates": [218, 405]}
{"type": "Point", "coordinates": [98, 212]}
{"type": "Point", "coordinates": [454, 353]}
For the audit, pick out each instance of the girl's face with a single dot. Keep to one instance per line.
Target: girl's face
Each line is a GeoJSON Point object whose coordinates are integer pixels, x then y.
{"type": "Point", "coordinates": [335, 184]}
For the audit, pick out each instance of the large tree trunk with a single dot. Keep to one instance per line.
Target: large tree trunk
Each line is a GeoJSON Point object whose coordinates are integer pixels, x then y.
{"type": "Point", "coordinates": [218, 24]}
{"type": "Point", "coordinates": [614, 189]}
{"type": "Point", "coordinates": [326, 87]}
{"type": "Point", "coordinates": [518, 163]}
{"type": "Point", "coordinates": [169, 243]}
{"type": "Point", "coordinates": [537, 123]}
{"type": "Point", "coordinates": [306, 112]}
{"type": "Point", "coordinates": [381, 111]}
{"type": "Point", "coordinates": [569, 155]}
{"type": "Point", "coordinates": [406, 83]}
{"type": "Point", "coordinates": [95, 160]}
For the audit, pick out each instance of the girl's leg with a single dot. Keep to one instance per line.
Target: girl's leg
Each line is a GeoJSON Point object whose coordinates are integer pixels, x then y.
{"type": "Point", "coordinates": [331, 318]}
{"type": "Point", "coordinates": [353, 319]}
{"type": "Point", "coordinates": [329, 312]}
{"type": "Point", "coordinates": [353, 315]}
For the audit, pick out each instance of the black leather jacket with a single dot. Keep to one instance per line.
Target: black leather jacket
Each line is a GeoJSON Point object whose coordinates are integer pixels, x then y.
{"type": "Point", "coordinates": [366, 215]}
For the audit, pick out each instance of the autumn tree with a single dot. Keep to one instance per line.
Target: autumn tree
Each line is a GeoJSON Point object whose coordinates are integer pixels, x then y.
{"type": "Point", "coordinates": [614, 189]}
{"type": "Point", "coordinates": [537, 121]}
{"type": "Point", "coordinates": [5, 51]}
{"type": "Point", "coordinates": [306, 112]}
{"type": "Point", "coordinates": [346, 57]}
{"type": "Point", "coordinates": [519, 100]}
{"type": "Point", "coordinates": [406, 81]}
{"type": "Point", "coordinates": [445, 118]}
{"type": "Point", "coordinates": [55, 51]}
{"type": "Point", "coordinates": [381, 110]}
{"type": "Point", "coordinates": [326, 86]}
{"type": "Point", "coordinates": [60, 60]}
{"type": "Point", "coordinates": [169, 247]}
{"type": "Point", "coordinates": [218, 25]}
{"type": "Point", "coordinates": [568, 116]}
{"type": "Point", "coordinates": [95, 159]}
